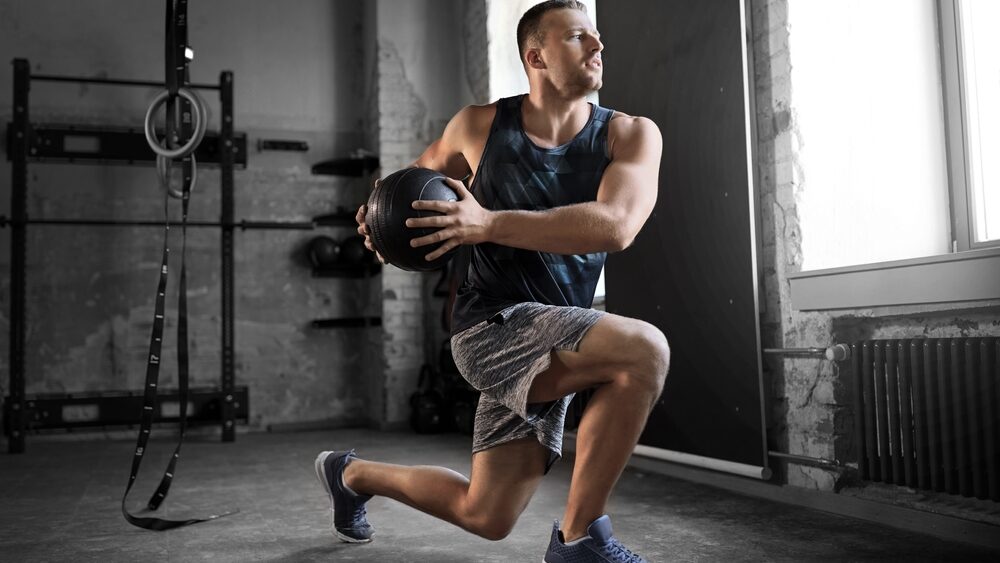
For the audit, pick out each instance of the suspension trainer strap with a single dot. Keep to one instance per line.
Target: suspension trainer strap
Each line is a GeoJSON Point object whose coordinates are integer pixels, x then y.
{"type": "Point", "coordinates": [176, 74]}
{"type": "Point", "coordinates": [152, 377]}
{"type": "Point", "coordinates": [182, 349]}
{"type": "Point", "coordinates": [149, 393]}
{"type": "Point", "coordinates": [175, 14]}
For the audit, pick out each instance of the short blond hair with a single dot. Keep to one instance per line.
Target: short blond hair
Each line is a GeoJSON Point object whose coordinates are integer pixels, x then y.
{"type": "Point", "coordinates": [529, 29]}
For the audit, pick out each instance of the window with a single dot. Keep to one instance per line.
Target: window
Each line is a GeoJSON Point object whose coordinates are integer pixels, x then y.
{"type": "Point", "coordinates": [897, 108]}
{"type": "Point", "coordinates": [866, 93]}
{"type": "Point", "coordinates": [897, 104]}
{"type": "Point", "coordinates": [971, 64]}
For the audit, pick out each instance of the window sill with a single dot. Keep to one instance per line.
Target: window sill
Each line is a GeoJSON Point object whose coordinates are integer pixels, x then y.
{"type": "Point", "coordinates": [972, 275]}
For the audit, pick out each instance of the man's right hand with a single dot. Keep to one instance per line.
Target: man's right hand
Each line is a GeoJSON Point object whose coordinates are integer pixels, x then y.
{"type": "Point", "coordinates": [363, 231]}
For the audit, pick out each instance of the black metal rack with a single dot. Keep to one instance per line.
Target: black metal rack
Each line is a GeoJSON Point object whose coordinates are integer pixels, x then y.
{"type": "Point", "coordinates": [29, 141]}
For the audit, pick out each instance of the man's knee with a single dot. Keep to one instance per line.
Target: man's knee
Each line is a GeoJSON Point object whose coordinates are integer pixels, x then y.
{"type": "Point", "coordinates": [651, 356]}
{"type": "Point", "coordinates": [493, 526]}
{"type": "Point", "coordinates": [659, 353]}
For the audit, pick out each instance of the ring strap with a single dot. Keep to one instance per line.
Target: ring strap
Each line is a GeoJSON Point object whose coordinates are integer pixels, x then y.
{"type": "Point", "coordinates": [175, 62]}
{"type": "Point", "coordinates": [182, 360]}
{"type": "Point", "coordinates": [164, 167]}
{"type": "Point", "coordinates": [152, 377]}
{"type": "Point", "coordinates": [195, 117]}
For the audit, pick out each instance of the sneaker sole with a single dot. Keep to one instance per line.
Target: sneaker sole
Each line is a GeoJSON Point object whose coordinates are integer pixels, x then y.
{"type": "Point", "coordinates": [321, 475]}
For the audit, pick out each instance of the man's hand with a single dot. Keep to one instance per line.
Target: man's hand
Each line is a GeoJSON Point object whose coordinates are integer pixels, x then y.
{"type": "Point", "coordinates": [462, 222]}
{"type": "Point", "coordinates": [363, 231]}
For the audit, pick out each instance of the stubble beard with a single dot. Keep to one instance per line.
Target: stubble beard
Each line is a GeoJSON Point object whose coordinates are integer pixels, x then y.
{"type": "Point", "coordinates": [583, 85]}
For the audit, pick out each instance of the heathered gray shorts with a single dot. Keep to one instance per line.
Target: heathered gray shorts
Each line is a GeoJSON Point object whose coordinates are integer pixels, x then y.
{"type": "Point", "coordinates": [501, 357]}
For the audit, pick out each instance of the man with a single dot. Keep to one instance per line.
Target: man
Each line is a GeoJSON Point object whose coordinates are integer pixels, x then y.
{"type": "Point", "coordinates": [558, 183]}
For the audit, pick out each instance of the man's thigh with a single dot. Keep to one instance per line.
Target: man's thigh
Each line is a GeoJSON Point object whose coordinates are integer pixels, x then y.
{"type": "Point", "coordinates": [608, 348]}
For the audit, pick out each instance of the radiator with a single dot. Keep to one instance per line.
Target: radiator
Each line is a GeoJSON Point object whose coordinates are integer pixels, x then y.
{"type": "Point", "coordinates": [927, 414]}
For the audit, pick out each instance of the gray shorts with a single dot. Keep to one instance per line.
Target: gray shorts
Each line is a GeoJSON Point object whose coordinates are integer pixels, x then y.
{"type": "Point", "coordinates": [501, 357]}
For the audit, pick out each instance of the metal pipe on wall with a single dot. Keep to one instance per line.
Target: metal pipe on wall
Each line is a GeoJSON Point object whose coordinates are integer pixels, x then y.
{"type": "Point", "coordinates": [835, 353]}
{"type": "Point", "coordinates": [806, 460]}
{"type": "Point", "coordinates": [745, 470]}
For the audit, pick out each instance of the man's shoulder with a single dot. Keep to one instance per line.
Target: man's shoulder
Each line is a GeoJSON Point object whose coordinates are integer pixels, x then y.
{"type": "Point", "coordinates": [631, 124]}
{"type": "Point", "coordinates": [472, 123]}
{"type": "Point", "coordinates": [630, 130]}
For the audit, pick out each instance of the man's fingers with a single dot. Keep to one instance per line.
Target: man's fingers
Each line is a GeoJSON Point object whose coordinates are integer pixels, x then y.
{"type": "Point", "coordinates": [438, 236]}
{"type": "Point", "coordinates": [441, 250]}
{"type": "Point", "coordinates": [458, 186]}
{"type": "Point", "coordinates": [434, 205]}
{"type": "Point", "coordinates": [435, 221]}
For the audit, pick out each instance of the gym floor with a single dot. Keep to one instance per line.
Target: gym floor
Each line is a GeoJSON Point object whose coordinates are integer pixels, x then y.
{"type": "Point", "coordinates": [61, 502]}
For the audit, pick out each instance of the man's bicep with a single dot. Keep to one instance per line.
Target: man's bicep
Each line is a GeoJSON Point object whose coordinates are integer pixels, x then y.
{"type": "Point", "coordinates": [631, 181]}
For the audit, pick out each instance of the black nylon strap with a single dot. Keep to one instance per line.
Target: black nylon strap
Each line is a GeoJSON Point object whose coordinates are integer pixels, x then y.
{"type": "Point", "coordinates": [175, 61]}
{"type": "Point", "coordinates": [152, 376]}
{"type": "Point", "coordinates": [187, 185]}
{"type": "Point", "coordinates": [182, 348]}
{"type": "Point", "coordinates": [175, 35]}
{"type": "Point", "coordinates": [176, 74]}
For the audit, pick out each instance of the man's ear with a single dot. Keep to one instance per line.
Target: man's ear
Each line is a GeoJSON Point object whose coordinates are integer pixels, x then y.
{"type": "Point", "coordinates": [534, 59]}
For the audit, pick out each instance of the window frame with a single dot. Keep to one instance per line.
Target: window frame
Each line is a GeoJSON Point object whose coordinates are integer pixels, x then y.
{"type": "Point", "coordinates": [956, 138]}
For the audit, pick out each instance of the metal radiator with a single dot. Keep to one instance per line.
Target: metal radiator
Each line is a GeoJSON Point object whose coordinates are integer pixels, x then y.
{"type": "Point", "coordinates": [927, 414]}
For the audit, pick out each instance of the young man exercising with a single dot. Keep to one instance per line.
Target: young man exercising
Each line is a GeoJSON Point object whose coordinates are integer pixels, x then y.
{"type": "Point", "coordinates": [556, 184]}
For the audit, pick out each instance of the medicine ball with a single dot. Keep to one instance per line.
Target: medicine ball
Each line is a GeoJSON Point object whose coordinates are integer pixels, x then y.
{"type": "Point", "coordinates": [323, 251]}
{"type": "Point", "coordinates": [353, 251]}
{"type": "Point", "coordinates": [390, 205]}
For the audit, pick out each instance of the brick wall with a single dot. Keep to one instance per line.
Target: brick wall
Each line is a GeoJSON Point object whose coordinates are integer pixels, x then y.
{"type": "Point", "coordinates": [419, 88]}
{"type": "Point", "coordinates": [802, 403]}
{"type": "Point", "coordinates": [90, 289]}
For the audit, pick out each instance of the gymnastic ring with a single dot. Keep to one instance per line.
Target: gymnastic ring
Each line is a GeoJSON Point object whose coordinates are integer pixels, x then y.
{"type": "Point", "coordinates": [197, 115]}
{"type": "Point", "coordinates": [163, 168]}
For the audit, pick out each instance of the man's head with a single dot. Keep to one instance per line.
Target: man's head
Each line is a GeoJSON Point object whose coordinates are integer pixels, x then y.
{"type": "Point", "coordinates": [559, 44]}
{"type": "Point", "coordinates": [530, 30]}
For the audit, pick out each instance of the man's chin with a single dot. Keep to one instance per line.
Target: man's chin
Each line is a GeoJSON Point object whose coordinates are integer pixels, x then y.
{"type": "Point", "coordinates": [592, 87]}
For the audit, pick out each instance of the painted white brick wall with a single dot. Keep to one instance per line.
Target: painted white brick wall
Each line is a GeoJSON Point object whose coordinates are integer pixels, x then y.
{"type": "Point", "coordinates": [803, 403]}
{"type": "Point", "coordinates": [419, 87]}
{"type": "Point", "coordinates": [402, 118]}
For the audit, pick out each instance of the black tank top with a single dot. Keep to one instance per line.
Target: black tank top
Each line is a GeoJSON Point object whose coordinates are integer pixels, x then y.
{"type": "Point", "coordinates": [515, 174]}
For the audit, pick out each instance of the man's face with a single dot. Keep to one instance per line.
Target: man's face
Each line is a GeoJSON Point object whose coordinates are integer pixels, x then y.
{"type": "Point", "coordinates": [572, 52]}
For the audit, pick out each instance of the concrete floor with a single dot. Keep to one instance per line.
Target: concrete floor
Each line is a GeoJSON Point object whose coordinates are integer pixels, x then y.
{"type": "Point", "coordinates": [60, 502]}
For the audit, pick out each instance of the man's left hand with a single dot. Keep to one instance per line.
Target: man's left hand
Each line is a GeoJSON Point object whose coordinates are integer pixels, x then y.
{"type": "Point", "coordinates": [462, 222]}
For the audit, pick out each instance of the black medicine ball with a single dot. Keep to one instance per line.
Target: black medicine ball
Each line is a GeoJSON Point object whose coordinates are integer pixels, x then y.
{"type": "Point", "coordinates": [323, 251]}
{"type": "Point", "coordinates": [389, 206]}
{"type": "Point", "coordinates": [353, 251]}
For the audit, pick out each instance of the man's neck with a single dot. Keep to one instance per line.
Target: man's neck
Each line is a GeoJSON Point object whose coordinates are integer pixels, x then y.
{"type": "Point", "coordinates": [551, 120]}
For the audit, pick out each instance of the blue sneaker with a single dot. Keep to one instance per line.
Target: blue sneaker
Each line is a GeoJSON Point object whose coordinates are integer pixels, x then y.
{"type": "Point", "coordinates": [598, 546]}
{"type": "Point", "coordinates": [350, 522]}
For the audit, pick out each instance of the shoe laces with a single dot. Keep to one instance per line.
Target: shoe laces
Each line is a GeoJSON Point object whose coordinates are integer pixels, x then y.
{"type": "Point", "coordinates": [360, 514]}
{"type": "Point", "coordinates": [619, 552]}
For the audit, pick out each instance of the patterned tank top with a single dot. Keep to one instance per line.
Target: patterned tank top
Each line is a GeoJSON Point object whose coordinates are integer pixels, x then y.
{"type": "Point", "coordinates": [516, 174]}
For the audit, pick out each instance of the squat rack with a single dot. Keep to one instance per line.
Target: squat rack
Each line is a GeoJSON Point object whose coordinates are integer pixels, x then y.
{"type": "Point", "coordinates": [28, 141]}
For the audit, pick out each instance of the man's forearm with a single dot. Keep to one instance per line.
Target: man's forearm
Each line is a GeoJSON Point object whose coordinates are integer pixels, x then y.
{"type": "Point", "coordinates": [582, 228]}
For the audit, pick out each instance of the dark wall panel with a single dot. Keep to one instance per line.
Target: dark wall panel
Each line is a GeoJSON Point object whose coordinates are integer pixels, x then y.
{"type": "Point", "coordinates": [691, 269]}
